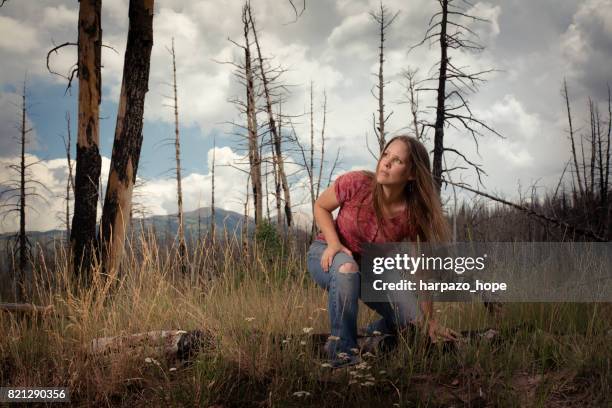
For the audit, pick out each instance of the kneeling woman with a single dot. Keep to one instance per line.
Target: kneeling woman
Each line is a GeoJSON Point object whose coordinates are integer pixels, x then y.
{"type": "Point", "coordinates": [396, 203]}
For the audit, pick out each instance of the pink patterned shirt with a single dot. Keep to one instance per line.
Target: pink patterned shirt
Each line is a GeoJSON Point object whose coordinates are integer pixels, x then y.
{"type": "Point", "coordinates": [352, 189]}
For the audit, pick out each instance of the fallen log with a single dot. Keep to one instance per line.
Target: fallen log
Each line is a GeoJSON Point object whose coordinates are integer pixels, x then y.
{"type": "Point", "coordinates": [173, 344]}
{"type": "Point", "coordinates": [26, 308]}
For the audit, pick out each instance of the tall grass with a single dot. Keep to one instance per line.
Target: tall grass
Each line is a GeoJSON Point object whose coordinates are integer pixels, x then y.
{"type": "Point", "coordinates": [258, 304]}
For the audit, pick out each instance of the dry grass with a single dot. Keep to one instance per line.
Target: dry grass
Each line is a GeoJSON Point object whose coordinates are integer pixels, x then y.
{"type": "Point", "coordinates": [256, 308]}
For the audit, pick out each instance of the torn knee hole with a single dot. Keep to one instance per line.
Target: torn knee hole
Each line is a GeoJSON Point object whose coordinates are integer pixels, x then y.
{"type": "Point", "coordinates": [348, 267]}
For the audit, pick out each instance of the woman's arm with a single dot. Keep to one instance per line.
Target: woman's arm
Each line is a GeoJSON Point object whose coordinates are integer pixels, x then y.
{"type": "Point", "coordinates": [323, 208]}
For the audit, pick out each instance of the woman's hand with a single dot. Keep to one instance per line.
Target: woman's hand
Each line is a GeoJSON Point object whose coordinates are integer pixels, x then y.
{"type": "Point", "coordinates": [436, 332]}
{"type": "Point", "coordinates": [330, 252]}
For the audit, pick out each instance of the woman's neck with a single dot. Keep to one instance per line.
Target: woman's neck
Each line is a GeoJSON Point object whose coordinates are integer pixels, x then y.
{"type": "Point", "coordinates": [393, 194]}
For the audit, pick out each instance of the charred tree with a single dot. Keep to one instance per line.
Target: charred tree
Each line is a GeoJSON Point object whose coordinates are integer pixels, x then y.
{"type": "Point", "coordinates": [607, 165]}
{"type": "Point", "coordinates": [182, 245]}
{"type": "Point", "coordinates": [213, 224]}
{"type": "Point", "coordinates": [244, 231]}
{"type": "Point", "coordinates": [453, 85]}
{"type": "Point", "coordinates": [413, 100]}
{"type": "Point", "coordinates": [128, 133]}
{"type": "Point", "coordinates": [89, 162]}
{"type": "Point", "coordinates": [310, 167]}
{"type": "Point", "coordinates": [277, 181]}
{"type": "Point", "coordinates": [565, 94]}
{"type": "Point", "coordinates": [70, 180]}
{"type": "Point", "coordinates": [15, 198]}
{"type": "Point", "coordinates": [254, 157]}
{"type": "Point", "coordinates": [23, 244]}
{"type": "Point", "coordinates": [322, 144]}
{"type": "Point", "coordinates": [383, 20]}
{"type": "Point", "coordinates": [309, 163]}
{"type": "Point", "coordinates": [272, 123]}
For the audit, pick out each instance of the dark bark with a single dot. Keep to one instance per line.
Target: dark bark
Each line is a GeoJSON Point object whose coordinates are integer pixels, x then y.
{"type": "Point", "coordinates": [383, 24]}
{"type": "Point", "coordinates": [23, 256]}
{"type": "Point", "coordinates": [254, 157]}
{"type": "Point", "coordinates": [70, 181]}
{"type": "Point", "coordinates": [310, 167]}
{"type": "Point", "coordinates": [179, 188]}
{"type": "Point", "coordinates": [213, 224]}
{"type": "Point", "coordinates": [128, 133]}
{"type": "Point", "coordinates": [441, 98]}
{"type": "Point", "coordinates": [571, 132]}
{"type": "Point", "coordinates": [89, 162]}
{"type": "Point", "coordinates": [272, 126]}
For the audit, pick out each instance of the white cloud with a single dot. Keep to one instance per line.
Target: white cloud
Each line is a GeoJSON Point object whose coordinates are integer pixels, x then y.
{"type": "Point", "coordinates": [346, 40]}
{"type": "Point", "coordinates": [59, 16]}
{"type": "Point", "coordinates": [586, 46]}
{"type": "Point", "coordinates": [486, 31]}
{"type": "Point", "coordinates": [16, 37]}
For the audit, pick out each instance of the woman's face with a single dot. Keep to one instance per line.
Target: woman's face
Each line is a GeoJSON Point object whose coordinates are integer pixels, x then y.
{"type": "Point", "coordinates": [393, 166]}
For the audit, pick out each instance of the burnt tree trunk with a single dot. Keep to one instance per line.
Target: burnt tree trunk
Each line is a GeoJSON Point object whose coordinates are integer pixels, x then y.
{"type": "Point", "coordinates": [440, 106]}
{"type": "Point", "coordinates": [23, 240]}
{"type": "Point", "coordinates": [254, 158]}
{"type": "Point", "coordinates": [310, 168]}
{"type": "Point", "coordinates": [128, 133]}
{"type": "Point", "coordinates": [70, 181]}
{"type": "Point", "coordinates": [277, 183]}
{"type": "Point", "coordinates": [322, 145]}
{"type": "Point", "coordinates": [571, 132]}
{"type": "Point", "coordinates": [213, 224]}
{"type": "Point", "coordinates": [89, 162]}
{"type": "Point", "coordinates": [272, 127]}
{"type": "Point", "coordinates": [381, 85]}
{"type": "Point", "coordinates": [179, 188]}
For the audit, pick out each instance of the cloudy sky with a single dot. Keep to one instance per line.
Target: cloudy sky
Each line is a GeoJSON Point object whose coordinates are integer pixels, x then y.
{"type": "Point", "coordinates": [532, 45]}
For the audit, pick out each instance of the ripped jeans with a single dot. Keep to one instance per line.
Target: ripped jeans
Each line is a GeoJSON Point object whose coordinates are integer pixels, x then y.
{"type": "Point", "coordinates": [343, 295]}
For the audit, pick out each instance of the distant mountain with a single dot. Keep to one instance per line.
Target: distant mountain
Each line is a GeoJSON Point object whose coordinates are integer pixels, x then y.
{"type": "Point", "coordinates": [163, 225]}
{"type": "Point", "coordinates": [168, 224]}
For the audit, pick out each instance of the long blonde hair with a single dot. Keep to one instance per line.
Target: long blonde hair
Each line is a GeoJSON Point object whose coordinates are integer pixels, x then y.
{"type": "Point", "coordinates": [423, 209]}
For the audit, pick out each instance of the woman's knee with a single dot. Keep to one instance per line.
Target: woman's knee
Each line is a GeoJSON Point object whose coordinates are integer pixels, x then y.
{"type": "Point", "coordinates": [348, 267]}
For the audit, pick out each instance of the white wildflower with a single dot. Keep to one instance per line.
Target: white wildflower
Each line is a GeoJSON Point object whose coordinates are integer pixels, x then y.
{"type": "Point", "coordinates": [307, 329]}
{"type": "Point", "coordinates": [301, 394]}
{"type": "Point", "coordinates": [150, 360]}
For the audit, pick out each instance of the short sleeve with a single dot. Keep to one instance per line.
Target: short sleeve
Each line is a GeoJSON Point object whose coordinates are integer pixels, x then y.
{"type": "Point", "coordinates": [348, 184]}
